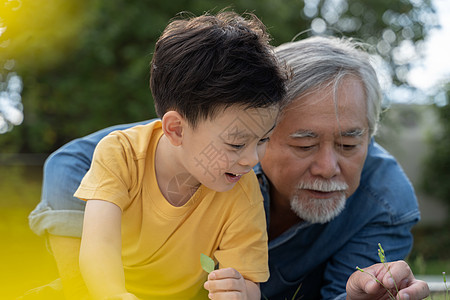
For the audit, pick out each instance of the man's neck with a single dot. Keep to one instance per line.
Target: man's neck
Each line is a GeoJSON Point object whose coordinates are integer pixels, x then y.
{"type": "Point", "coordinates": [281, 215]}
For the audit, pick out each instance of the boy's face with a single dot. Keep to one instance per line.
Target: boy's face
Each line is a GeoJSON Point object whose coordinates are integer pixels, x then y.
{"type": "Point", "coordinates": [219, 151]}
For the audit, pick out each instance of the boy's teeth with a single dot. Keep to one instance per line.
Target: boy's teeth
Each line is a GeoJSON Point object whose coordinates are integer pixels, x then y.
{"type": "Point", "coordinates": [234, 174]}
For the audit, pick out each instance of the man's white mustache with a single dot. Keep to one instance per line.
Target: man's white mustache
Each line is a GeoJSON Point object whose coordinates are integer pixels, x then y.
{"type": "Point", "coordinates": [323, 186]}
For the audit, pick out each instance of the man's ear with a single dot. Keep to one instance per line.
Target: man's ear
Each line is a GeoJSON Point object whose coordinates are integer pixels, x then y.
{"type": "Point", "coordinates": [173, 127]}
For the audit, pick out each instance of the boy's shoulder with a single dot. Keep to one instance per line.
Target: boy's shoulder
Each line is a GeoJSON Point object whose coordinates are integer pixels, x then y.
{"type": "Point", "coordinates": [139, 136]}
{"type": "Point", "coordinates": [248, 185]}
{"type": "Point", "coordinates": [133, 143]}
{"type": "Point", "coordinates": [139, 131]}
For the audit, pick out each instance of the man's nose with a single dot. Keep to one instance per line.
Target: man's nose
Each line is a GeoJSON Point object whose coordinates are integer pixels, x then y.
{"type": "Point", "coordinates": [326, 163]}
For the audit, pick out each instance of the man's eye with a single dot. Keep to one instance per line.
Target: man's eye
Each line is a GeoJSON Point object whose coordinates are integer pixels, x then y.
{"type": "Point", "coordinates": [347, 147]}
{"type": "Point", "coordinates": [304, 148]}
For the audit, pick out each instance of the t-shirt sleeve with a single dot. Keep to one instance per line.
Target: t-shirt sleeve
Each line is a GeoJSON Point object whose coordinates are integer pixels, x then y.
{"type": "Point", "coordinates": [110, 174]}
{"type": "Point", "coordinates": [244, 244]}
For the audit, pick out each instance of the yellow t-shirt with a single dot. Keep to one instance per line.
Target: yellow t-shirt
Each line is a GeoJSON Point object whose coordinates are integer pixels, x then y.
{"type": "Point", "coordinates": [161, 244]}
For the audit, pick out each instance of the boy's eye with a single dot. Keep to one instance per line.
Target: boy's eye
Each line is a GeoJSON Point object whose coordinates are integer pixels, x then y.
{"type": "Point", "coordinates": [264, 140]}
{"type": "Point", "coordinates": [236, 146]}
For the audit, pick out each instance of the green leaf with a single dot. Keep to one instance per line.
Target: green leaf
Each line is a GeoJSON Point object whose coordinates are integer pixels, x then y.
{"type": "Point", "coordinates": [207, 263]}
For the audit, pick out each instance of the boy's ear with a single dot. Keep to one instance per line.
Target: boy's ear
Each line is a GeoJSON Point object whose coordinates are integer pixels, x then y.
{"type": "Point", "coordinates": [173, 127]}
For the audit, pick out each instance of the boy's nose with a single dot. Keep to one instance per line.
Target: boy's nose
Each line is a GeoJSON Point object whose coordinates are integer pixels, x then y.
{"type": "Point", "coordinates": [249, 158]}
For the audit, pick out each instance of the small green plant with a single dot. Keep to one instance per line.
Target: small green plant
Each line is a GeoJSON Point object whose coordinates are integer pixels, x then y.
{"type": "Point", "coordinates": [207, 263]}
{"type": "Point", "coordinates": [293, 297]}
{"type": "Point", "coordinates": [296, 292]}
{"type": "Point", "coordinates": [382, 257]}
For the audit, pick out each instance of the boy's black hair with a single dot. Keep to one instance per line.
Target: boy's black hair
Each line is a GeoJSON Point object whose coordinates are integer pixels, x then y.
{"type": "Point", "coordinates": [207, 63]}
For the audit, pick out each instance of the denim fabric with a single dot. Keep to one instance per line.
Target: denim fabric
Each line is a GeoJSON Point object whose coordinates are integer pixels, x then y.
{"type": "Point", "coordinates": [317, 257]}
{"type": "Point", "coordinates": [321, 257]}
{"type": "Point", "coordinates": [59, 213]}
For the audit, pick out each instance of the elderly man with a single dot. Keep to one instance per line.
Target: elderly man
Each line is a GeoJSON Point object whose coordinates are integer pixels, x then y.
{"type": "Point", "coordinates": [331, 193]}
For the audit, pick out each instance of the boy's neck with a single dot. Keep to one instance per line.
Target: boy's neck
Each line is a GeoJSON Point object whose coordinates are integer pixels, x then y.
{"type": "Point", "coordinates": [175, 183]}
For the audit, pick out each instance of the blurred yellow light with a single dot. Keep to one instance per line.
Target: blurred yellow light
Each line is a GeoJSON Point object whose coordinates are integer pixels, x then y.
{"type": "Point", "coordinates": [39, 33]}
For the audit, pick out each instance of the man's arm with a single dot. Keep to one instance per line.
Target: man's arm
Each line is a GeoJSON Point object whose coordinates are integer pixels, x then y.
{"type": "Point", "coordinates": [59, 215]}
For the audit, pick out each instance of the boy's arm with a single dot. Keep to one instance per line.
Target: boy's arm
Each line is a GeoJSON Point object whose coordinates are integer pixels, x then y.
{"type": "Point", "coordinates": [228, 283]}
{"type": "Point", "coordinates": [100, 252]}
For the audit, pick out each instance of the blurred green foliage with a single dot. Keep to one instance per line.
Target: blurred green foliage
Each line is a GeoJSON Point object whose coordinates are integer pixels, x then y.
{"type": "Point", "coordinates": [436, 175]}
{"type": "Point", "coordinates": [99, 77]}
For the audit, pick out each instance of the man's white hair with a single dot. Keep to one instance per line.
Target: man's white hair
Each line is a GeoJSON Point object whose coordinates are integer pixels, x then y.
{"type": "Point", "coordinates": [318, 62]}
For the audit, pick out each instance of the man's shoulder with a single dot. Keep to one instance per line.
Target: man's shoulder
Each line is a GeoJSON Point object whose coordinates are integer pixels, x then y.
{"type": "Point", "coordinates": [385, 185]}
{"type": "Point", "coordinates": [84, 146]}
{"type": "Point", "coordinates": [382, 170]}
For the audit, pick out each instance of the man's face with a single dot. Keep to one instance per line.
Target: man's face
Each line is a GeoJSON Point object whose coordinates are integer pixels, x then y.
{"type": "Point", "coordinates": [316, 153]}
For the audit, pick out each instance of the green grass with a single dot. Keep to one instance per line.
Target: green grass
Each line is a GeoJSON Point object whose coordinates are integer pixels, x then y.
{"type": "Point", "coordinates": [437, 297]}
{"type": "Point", "coordinates": [429, 267]}
{"type": "Point", "coordinates": [430, 254]}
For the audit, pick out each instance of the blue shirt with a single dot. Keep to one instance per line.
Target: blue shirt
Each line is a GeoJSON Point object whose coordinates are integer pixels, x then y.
{"type": "Point", "coordinates": [316, 258]}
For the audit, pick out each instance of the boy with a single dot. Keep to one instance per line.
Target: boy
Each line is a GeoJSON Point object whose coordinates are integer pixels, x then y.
{"type": "Point", "coordinates": [159, 195]}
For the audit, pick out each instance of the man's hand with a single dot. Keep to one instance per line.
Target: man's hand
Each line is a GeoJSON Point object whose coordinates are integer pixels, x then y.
{"type": "Point", "coordinates": [229, 284]}
{"type": "Point", "coordinates": [361, 285]}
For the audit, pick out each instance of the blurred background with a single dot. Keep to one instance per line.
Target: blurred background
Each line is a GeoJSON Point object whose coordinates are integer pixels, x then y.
{"type": "Point", "coordinates": [69, 68]}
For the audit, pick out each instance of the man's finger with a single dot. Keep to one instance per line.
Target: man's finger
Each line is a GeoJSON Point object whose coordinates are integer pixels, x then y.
{"type": "Point", "coordinates": [418, 288]}
{"type": "Point", "coordinates": [399, 271]}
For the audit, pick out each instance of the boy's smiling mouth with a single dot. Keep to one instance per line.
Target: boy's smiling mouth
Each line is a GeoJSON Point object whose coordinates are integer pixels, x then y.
{"type": "Point", "coordinates": [233, 177]}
